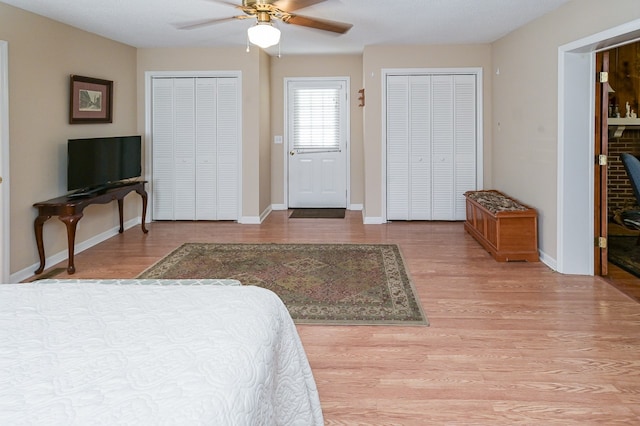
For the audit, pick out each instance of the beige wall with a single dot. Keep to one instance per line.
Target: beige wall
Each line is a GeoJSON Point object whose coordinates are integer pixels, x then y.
{"type": "Point", "coordinates": [265, 134]}
{"type": "Point", "coordinates": [377, 58]}
{"type": "Point", "coordinates": [525, 104]}
{"type": "Point", "coordinates": [42, 55]}
{"type": "Point", "coordinates": [221, 59]}
{"type": "Point", "coordinates": [316, 66]}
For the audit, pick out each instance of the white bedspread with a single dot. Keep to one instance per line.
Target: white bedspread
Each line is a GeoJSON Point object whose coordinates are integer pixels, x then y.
{"type": "Point", "coordinates": [95, 354]}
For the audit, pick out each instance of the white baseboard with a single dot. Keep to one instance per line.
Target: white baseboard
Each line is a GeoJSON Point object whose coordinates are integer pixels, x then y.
{"type": "Point", "coordinates": [265, 213]}
{"type": "Point", "coordinates": [356, 207]}
{"type": "Point", "coordinates": [256, 220]}
{"type": "Point", "coordinates": [79, 248]}
{"type": "Point", "coordinates": [548, 260]}
{"type": "Point", "coordinates": [250, 220]}
{"type": "Point", "coordinates": [371, 220]}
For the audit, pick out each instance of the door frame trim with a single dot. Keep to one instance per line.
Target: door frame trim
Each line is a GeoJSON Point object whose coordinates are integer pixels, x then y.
{"type": "Point", "coordinates": [285, 142]}
{"type": "Point", "coordinates": [479, 119]}
{"type": "Point", "coordinates": [148, 135]}
{"type": "Point", "coordinates": [5, 187]}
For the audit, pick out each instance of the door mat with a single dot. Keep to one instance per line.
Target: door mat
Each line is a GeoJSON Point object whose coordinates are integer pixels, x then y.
{"type": "Point", "coordinates": [349, 284]}
{"type": "Point", "coordinates": [317, 214]}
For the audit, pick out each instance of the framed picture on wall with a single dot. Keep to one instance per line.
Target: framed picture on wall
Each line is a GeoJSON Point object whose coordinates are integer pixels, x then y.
{"type": "Point", "coordinates": [91, 100]}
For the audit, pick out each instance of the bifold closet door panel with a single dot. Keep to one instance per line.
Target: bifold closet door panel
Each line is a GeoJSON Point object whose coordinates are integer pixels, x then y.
{"type": "Point", "coordinates": [420, 148]}
{"type": "Point", "coordinates": [173, 152]}
{"type": "Point", "coordinates": [465, 135]}
{"type": "Point", "coordinates": [409, 127]}
{"type": "Point", "coordinates": [184, 149]}
{"type": "Point", "coordinates": [397, 167]}
{"type": "Point", "coordinates": [206, 182]}
{"type": "Point", "coordinates": [228, 149]}
{"type": "Point", "coordinates": [442, 148]}
{"type": "Point", "coordinates": [163, 179]}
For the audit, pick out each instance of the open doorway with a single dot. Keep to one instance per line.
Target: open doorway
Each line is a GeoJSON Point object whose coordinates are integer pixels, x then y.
{"type": "Point", "coordinates": [576, 100]}
{"type": "Point", "coordinates": [623, 136]}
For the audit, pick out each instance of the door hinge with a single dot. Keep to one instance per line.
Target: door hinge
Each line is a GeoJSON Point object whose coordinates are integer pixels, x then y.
{"type": "Point", "coordinates": [602, 160]}
{"type": "Point", "coordinates": [601, 242]}
{"type": "Point", "coordinates": [604, 77]}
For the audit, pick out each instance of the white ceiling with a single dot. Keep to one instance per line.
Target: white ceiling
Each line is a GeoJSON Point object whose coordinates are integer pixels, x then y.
{"type": "Point", "coordinates": [153, 23]}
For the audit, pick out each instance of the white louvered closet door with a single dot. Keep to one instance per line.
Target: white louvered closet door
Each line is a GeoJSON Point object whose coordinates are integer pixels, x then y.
{"type": "Point", "coordinates": [227, 145]}
{"type": "Point", "coordinates": [163, 181]}
{"type": "Point", "coordinates": [431, 146]}
{"type": "Point", "coordinates": [397, 148]}
{"type": "Point", "coordinates": [206, 184]}
{"type": "Point", "coordinates": [195, 148]}
{"type": "Point", "coordinates": [442, 160]}
{"type": "Point", "coordinates": [420, 147]}
{"type": "Point", "coordinates": [465, 136]}
{"type": "Point", "coordinates": [184, 135]}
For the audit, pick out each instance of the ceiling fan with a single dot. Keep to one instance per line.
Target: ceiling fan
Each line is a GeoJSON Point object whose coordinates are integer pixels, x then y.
{"type": "Point", "coordinates": [263, 33]}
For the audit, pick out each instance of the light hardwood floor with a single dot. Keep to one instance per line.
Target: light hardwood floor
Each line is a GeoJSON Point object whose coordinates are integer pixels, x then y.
{"type": "Point", "coordinates": [509, 343]}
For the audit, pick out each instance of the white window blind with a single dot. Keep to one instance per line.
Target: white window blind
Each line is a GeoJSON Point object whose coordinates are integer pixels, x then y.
{"type": "Point", "coordinates": [316, 118]}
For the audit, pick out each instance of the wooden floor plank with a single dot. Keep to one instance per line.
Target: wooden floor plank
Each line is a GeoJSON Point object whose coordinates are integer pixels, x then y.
{"type": "Point", "coordinates": [509, 343]}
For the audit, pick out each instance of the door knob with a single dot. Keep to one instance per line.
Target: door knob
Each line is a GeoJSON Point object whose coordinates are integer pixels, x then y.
{"type": "Point", "coordinates": [292, 153]}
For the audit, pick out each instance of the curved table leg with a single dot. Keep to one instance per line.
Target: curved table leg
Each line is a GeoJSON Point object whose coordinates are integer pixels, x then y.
{"type": "Point", "coordinates": [120, 204]}
{"type": "Point", "coordinates": [37, 226]}
{"type": "Point", "coordinates": [71, 222]}
{"type": "Point", "coordinates": [143, 194]}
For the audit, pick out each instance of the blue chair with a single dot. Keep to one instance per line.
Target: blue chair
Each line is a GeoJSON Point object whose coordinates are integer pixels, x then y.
{"type": "Point", "coordinates": [631, 218]}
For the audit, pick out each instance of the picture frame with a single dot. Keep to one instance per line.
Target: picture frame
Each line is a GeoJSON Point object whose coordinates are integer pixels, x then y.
{"type": "Point", "coordinates": [90, 100]}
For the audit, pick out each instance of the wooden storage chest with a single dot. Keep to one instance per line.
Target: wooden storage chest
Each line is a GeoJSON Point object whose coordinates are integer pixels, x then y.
{"type": "Point", "coordinates": [507, 229]}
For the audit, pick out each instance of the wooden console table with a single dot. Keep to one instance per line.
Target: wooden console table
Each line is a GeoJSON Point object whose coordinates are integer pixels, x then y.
{"type": "Point", "coordinates": [69, 210]}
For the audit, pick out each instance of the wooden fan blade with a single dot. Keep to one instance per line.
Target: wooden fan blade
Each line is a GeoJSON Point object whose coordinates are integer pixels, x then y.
{"type": "Point", "coordinates": [321, 24]}
{"type": "Point", "coordinates": [247, 10]}
{"type": "Point", "coordinates": [208, 22]}
{"type": "Point", "coordinates": [228, 3]}
{"type": "Point", "coordinates": [291, 5]}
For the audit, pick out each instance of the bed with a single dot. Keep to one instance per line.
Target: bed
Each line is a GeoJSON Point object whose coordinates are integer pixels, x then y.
{"type": "Point", "coordinates": [151, 352]}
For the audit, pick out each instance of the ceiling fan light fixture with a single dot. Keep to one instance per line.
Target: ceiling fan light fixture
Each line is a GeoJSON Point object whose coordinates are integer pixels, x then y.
{"type": "Point", "coordinates": [264, 35]}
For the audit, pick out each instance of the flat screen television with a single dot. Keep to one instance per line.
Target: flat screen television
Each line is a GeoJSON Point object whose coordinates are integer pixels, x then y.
{"type": "Point", "coordinates": [97, 163]}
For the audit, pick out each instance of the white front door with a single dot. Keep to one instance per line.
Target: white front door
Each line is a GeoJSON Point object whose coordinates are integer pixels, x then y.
{"type": "Point", "coordinates": [317, 123]}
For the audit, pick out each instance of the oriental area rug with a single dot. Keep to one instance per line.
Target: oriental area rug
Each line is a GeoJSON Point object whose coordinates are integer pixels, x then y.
{"type": "Point", "coordinates": [355, 284]}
